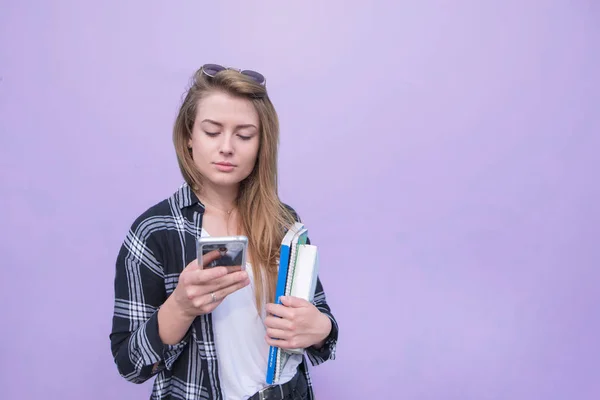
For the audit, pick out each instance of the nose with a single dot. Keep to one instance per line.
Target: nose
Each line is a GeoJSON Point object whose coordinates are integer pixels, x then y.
{"type": "Point", "coordinates": [226, 144]}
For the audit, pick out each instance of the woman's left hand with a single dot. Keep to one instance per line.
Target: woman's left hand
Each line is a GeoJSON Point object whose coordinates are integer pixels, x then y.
{"type": "Point", "coordinates": [296, 323]}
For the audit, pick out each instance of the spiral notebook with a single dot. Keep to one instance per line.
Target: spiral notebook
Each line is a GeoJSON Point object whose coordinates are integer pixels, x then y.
{"type": "Point", "coordinates": [298, 270]}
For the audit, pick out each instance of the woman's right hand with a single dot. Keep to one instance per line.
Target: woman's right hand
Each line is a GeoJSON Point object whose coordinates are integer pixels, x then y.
{"type": "Point", "coordinates": [201, 290]}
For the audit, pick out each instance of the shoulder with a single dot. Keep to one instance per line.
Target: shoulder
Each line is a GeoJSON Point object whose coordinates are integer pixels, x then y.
{"type": "Point", "coordinates": [292, 211]}
{"type": "Point", "coordinates": [152, 233]}
{"type": "Point", "coordinates": [152, 216]}
{"type": "Point", "coordinates": [295, 216]}
{"type": "Point", "coordinates": [161, 216]}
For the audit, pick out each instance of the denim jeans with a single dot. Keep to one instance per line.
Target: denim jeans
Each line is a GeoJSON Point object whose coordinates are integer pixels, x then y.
{"type": "Point", "coordinates": [300, 392]}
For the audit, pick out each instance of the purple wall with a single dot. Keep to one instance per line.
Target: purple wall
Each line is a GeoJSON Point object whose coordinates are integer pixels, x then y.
{"type": "Point", "coordinates": [444, 155]}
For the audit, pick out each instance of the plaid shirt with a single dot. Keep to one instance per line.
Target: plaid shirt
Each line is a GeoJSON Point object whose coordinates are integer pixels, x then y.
{"type": "Point", "coordinates": [160, 243]}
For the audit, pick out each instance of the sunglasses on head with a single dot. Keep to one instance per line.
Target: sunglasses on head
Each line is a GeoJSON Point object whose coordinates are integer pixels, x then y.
{"type": "Point", "coordinates": [212, 69]}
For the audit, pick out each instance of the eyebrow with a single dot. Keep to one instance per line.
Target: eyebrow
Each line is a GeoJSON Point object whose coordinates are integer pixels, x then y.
{"type": "Point", "coordinates": [237, 127]}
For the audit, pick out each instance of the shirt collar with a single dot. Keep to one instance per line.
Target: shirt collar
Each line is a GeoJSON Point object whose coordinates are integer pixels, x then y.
{"type": "Point", "coordinates": [185, 197]}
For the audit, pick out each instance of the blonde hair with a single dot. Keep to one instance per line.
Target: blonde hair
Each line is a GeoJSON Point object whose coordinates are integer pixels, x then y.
{"type": "Point", "coordinates": [263, 217]}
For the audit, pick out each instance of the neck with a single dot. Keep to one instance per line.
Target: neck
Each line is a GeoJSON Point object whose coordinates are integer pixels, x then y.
{"type": "Point", "coordinates": [222, 198]}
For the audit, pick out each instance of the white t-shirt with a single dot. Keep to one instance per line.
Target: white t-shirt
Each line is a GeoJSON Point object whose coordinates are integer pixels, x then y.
{"type": "Point", "coordinates": [240, 343]}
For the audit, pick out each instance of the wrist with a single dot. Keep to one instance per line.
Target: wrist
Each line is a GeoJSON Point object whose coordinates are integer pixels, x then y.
{"type": "Point", "coordinates": [325, 331]}
{"type": "Point", "coordinates": [173, 323]}
{"type": "Point", "coordinates": [174, 308]}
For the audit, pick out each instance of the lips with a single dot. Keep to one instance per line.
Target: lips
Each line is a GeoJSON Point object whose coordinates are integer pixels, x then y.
{"type": "Point", "coordinates": [224, 166]}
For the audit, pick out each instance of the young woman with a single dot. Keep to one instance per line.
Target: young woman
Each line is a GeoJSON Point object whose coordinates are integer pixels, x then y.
{"type": "Point", "coordinates": [205, 333]}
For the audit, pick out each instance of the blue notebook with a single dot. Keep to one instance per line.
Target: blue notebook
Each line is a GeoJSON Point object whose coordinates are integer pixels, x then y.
{"type": "Point", "coordinates": [302, 274]}
{"type": "Point", "coordinates": [295, 235]}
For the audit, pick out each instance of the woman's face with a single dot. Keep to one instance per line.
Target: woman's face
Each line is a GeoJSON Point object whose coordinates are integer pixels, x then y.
{"type": "Point", "coordinates": [225, 139]}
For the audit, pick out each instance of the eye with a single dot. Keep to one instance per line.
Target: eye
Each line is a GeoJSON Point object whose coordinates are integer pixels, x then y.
{"type": "Point", "coordinates": [211, 134]}
{"type": "Point", "coordinates": [245, 137]}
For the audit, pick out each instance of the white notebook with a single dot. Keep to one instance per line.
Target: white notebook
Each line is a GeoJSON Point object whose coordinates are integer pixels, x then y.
{"type": "Point", "coordinates": [306, 270]}
{"type": "Point", "coordinates": [304, 277]}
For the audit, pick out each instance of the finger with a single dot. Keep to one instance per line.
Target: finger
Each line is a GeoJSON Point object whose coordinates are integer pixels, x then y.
{"type": "Point", "coordinates": [215, 255]}
{"type": "Point", "coordinates": [278, 334]}
{"type": "Point", "coordinates": [210, 257]}
{"type": "Point", "coordinates": [192, 265]}
{"type": "Point", "coordinates": [233, 268]}
{"type": "Point", "coordinates": [274, 342]}
{"type": "Point", "coordinates": [294, 302]}
{"type": "Point", "coordinates": [227, 280]}
{"type": "Point", "coordinates": [211, 280]}
{"type": "Point", "coordinates": [206, 302]}
{"type": "Point", "coordinates": [280, 310]}
{"type": "Point", "coordinates": [284, 343]}
{"type": "Point", "coordinates": [227, 290]}
{"type": "Point", "coordinates": [223, 271]}
{"type": "Point", "coordinates": [202, 276]}
{"type": "Point", "coordinates": [279, 323]}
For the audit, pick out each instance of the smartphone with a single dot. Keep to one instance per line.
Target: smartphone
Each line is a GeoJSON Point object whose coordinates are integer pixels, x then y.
{"type": "Point", "coordinates": [233, 250]}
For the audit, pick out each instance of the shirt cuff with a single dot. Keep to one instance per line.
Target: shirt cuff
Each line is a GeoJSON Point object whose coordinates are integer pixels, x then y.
{"type": "Point", "coordinates": [327, 351]}
{"type": "Point", "coordinates": [154, 351]}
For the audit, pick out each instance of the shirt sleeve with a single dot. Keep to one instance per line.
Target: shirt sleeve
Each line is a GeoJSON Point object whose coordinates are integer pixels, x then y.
{"type": "Point", "coordinates": [139, 291]}
{"type": "Point", "coordinates": [327, 351]}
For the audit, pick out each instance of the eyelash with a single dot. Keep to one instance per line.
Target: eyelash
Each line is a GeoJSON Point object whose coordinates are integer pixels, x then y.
{"type": "Point", "coordinates": [213, 134]}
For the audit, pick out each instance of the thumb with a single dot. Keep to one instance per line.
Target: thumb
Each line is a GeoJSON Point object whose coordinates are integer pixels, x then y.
{"type": "Point", "coordinates": [295, 302]}
{"type": "Point", "coordinates": [210, 257]}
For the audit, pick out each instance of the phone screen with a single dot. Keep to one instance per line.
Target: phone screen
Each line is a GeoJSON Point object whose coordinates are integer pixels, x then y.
{"type": "Point", "coordinates": [232, 254]}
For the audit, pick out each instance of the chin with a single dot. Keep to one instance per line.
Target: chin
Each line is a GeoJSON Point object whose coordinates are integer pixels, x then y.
{"type": "Point", "coordinates": [224, 180]}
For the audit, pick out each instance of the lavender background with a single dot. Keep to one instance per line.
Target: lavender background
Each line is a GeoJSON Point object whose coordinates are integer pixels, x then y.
{"type": "Point", "coordinates": [444, 155]}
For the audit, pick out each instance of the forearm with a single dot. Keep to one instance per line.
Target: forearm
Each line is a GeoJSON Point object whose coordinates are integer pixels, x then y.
{"type": "Point", "coordinates": [173, 324]}
{"type": "Point", "coordinates": [139, 349]}
{"type": "Point", "coordinates": [326, 329]}
{"type": "Point", "coordinates": [324, 350]}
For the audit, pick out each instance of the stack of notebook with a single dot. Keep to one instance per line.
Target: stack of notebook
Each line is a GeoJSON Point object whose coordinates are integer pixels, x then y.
{"type": "Point", "coordinates": [298, 270]}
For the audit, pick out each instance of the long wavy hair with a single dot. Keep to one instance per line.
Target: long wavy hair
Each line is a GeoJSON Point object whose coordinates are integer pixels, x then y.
{"type": "Point", "coordinates": [262, 216]}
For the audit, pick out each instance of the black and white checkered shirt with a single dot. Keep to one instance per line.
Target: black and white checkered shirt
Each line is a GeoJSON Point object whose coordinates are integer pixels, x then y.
{"type": "Point", "coordinates": [160, 243]}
